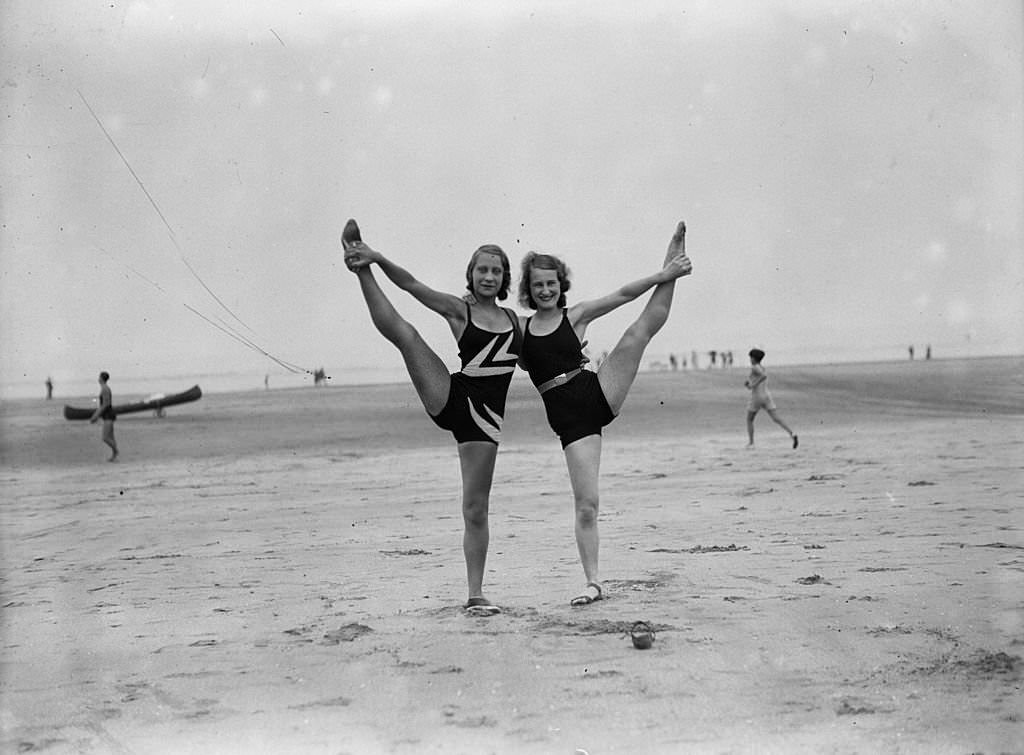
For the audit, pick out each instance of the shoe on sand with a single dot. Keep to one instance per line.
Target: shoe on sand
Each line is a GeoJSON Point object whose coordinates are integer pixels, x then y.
{"type": "Point", "coordinates": [591, 594]}
{"type": "Point", "coordinates": [478, 605]}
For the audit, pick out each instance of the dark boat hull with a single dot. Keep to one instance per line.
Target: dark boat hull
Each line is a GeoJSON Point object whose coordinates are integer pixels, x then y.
{"type": "Point", "coordinates": [154, 404]}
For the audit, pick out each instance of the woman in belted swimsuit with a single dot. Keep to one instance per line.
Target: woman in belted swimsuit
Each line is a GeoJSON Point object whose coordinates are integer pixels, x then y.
{"type": "Point", "coordinates": [471, 403]}
{"type": "Point", "coordinates": [578, 401]}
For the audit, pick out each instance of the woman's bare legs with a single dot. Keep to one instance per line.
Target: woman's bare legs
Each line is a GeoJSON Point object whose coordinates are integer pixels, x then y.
{"type": "Point", "coordinates": [777, 419]}
{"type": "Point", "coordinates": [750, 427]}
{"type": "Point", "coordinates": [617, 372]}
{"type": "Point", "coordinates": [477, 462]}
{"type": "Point", "coordinates": [583, 458]}
{"type": "Point", "coordinates": [783, 425]}
{"type": "Point", "coordinates": [432, 381]}
{"type": "Point", "coordinates": [428, 372]}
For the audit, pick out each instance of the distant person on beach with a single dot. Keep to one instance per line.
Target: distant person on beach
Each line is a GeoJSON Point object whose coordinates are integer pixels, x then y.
{"type": "Point", "coordinates": [578, 401]}
{"type": "Point", "coordinates": [105, 412]}
{"type": "Point", "coordinates": [928, 352]}
{"type": "Point", "coordinates": [471, 403]}
{"type": "Point", "coordinates": [760, 398]}
{"type": "Point", "coordinates": [49, 388]}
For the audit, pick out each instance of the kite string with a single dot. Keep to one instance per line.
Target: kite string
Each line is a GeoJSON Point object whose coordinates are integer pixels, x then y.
{"type": "Point", "coordinates": [156, 207]}
{"type": "Point", "coordinates": [223, 328]}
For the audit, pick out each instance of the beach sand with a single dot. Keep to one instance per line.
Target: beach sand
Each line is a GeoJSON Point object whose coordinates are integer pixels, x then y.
{"type": "Point", "coordinates": [281, 572]}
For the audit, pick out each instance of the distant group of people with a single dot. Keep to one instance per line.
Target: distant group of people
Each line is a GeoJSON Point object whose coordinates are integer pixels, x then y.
{"type": "Point", "coordinates": [927, 352]}
{"type": "Point", "coordinates": [715, 359]}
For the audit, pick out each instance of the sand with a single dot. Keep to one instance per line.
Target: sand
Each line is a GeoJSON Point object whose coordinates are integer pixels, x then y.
{"type": "Point", "coordinates": [281, 572]}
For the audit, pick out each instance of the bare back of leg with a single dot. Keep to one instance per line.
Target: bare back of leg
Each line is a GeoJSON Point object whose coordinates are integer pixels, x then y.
{"type": "Point", "coordinates": [617, 373]}
{"type": "Point", "coordinates": [428, 372]}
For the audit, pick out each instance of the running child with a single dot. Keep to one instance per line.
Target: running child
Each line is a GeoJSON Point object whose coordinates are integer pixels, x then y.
{"type": "Point", "coordinates": [760, 398]}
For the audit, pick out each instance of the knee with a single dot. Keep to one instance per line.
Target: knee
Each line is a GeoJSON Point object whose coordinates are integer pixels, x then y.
{"type": "Point", "coordinates": [644, 329]}
{"type": "Point", "coordinates": [474, 511]}
{"type": "Point", "coordinates": [586, 511]}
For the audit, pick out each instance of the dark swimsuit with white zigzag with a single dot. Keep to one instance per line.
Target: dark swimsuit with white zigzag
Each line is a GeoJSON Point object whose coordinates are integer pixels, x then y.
{"type": "Point", "coordinates": [476, 399]}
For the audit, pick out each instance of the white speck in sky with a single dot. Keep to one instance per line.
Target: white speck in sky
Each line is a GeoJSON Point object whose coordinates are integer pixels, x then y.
{"type": "Point", "coordinates": [936, 252]}
{"type": "Point", "coordinates": [958, 312]}
{"type": "Point", "coordinates": [383, 97]}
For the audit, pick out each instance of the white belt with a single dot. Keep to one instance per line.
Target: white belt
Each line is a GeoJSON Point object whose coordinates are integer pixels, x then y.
{"type": "Point", "coordinates": [558, 380]}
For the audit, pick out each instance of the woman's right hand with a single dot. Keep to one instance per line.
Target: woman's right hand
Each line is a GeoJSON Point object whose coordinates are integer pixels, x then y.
{"type": "Point", "coordinates": [677, 267]}
{"type": "Point", "coordinates": [358, 255]}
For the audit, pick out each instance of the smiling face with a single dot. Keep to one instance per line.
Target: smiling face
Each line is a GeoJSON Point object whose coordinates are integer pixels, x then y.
{"type": "Point", "coordinates": [549, 275]}
{"type": "Point", "coordinates": [545, 288]}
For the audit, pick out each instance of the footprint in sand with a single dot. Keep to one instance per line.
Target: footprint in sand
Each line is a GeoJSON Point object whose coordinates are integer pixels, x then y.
{"type": "Point", "coordinates": [814, 579]}
{"type": "Point", "coordinates": [347, 633]}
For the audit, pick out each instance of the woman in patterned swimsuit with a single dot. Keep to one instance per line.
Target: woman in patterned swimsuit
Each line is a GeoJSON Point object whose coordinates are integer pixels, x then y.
{"type": "Point", "coordinates": [579, 402]}
{"type": "Point", "coordinates": [470, 403]}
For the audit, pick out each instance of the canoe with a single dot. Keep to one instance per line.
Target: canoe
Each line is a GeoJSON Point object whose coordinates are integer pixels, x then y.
{"type": "Point", "coordinates": [154, 403]}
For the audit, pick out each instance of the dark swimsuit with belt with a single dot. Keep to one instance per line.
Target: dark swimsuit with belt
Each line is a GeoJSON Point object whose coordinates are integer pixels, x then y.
{"type": "Point", "coordinates": [575, 404]}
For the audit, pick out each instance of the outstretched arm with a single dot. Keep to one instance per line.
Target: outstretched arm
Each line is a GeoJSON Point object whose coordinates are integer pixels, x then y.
{"type": "Point", "coordinates": [677, 264]}
{"type": "Point", "coordinates": [358, 255]}
{"type": "Point", "coordinates": [588, 311]}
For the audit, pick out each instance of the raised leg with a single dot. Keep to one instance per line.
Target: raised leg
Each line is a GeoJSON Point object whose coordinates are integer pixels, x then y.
{"type": "Point", "coordinates": [617, 372]}
{"type": "Point", "coordinates": [428, 372]}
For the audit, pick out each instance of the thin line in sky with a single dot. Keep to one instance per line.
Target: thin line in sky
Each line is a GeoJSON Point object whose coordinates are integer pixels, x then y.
{"type": "Point", "coordinates": [248, 343]}
{"type": "Point", "coordinates": [174, 239]}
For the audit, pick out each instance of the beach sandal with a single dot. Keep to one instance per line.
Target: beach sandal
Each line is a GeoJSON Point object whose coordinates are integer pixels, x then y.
{"type": "Point", "coordinates": [642, 635]}
{"type": "Point", "coordinates": [478, 605]}
{"type": "Point", "coordinates": [796, 440]}
{"type": "Point", "coordinates": [591, 594]}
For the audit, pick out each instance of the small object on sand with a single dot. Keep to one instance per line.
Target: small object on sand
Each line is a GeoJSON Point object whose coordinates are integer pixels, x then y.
{"type": "Point", "coordinates": [642, 635]}
{"type": "Point", "coordinates": [351, 233]}
{"type": "Point", "coordinates": [481, 606]}
{"type": "Point", "coordinates": [796, 439]}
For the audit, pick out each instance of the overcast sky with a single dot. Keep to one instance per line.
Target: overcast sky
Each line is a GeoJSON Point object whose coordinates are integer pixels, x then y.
{"type": "Point", "coordinates": [851, 173]}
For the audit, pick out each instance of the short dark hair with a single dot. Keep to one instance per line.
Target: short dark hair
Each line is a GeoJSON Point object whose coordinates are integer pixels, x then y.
{"type": "Point", "coordinates": [756, 354]}
{"type": "Point", "coordinates": [104, 376]}
{"type": "Point", "coordinates": [542, 262]}
{"type": "Point", "coordinates": [506, 266]}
